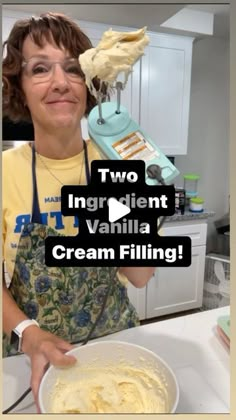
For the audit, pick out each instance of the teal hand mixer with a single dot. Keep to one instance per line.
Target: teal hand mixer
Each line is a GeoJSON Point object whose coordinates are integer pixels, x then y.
{"type": "Point", "coordinates": [118, 136]}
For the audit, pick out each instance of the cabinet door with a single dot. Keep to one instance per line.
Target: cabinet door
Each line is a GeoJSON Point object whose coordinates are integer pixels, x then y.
{"type": "Point", "coordinates": [165, 91]}
{"type": "Point", "coordinates": [175, 289]}
{"type": "Point", "coordinates": [138, 299]}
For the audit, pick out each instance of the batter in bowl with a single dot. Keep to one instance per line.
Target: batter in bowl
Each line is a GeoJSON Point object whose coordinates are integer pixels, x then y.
{"type": "Point", "coordinates": [118, 389]}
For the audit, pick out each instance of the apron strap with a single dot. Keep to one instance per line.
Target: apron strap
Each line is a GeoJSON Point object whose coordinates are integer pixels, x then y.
{"type": "Point", "coordinates": [87, 171]}
{"type": "Point", "coordinates": [36, 216]}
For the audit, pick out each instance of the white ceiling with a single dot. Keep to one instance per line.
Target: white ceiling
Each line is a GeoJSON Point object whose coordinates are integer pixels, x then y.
{"type": "Point", "coordinates": [132, 15]}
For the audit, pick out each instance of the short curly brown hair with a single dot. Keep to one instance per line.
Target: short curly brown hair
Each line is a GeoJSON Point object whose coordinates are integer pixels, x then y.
{"type": "Point", "coordinates": [50, 26]}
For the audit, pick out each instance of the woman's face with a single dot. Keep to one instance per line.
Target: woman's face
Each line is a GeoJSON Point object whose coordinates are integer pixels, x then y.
{"type": "Point", "coordinates": [57, 100]}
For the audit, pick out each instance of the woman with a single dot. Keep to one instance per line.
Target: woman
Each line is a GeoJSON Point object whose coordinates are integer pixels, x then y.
{"type": "Point", "coordinates": [44, 83]}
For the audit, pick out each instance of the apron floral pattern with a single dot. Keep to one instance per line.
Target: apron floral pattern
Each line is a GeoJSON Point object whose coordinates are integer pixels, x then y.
{"type": "Point", "coordinates": [65, 300]}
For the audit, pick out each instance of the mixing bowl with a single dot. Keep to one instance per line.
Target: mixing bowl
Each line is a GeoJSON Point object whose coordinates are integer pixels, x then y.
{"type": "Point", "coordinates": [137, 365]}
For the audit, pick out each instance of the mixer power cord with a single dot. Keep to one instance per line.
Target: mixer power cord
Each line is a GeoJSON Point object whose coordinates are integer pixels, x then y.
{"type": "Point", "coordinates": [155, 172]}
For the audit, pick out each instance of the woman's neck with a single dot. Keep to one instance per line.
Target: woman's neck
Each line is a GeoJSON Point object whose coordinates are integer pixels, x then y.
{"type": "Point", "coordinates": [58, 144]}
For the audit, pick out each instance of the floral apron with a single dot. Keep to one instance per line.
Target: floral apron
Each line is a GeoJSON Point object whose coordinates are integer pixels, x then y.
{"type": "Point", "coordinates": [65, 300]}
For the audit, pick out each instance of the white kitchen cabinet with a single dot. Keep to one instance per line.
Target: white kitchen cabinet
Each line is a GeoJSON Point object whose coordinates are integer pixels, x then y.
{"type": "Point", "coordinates": [165, 91]}
{"type": "Point", "coordinates": [175, 289]}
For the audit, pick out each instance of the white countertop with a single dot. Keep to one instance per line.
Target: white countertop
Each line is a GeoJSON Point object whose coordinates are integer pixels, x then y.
{"type": "Point", "coordinates": [189, 344]}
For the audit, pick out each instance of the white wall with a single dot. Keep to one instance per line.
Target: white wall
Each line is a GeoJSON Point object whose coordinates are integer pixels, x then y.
{"type": "Point", "coordinates": [208, 144]}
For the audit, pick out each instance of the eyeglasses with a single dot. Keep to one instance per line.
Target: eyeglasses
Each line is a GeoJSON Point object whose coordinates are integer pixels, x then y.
{"type": "Point", "coordinates": [41, 68]}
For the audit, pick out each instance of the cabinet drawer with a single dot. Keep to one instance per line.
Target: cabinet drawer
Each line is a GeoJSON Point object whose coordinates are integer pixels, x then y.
{"type": "Point", "coordinates": [197, 232]}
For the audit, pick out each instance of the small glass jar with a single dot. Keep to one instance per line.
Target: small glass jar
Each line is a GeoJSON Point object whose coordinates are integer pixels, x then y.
{"type": "Point", "coordinates": [196, 204]}
{"type": "Point", "coordinates": [190, 185]}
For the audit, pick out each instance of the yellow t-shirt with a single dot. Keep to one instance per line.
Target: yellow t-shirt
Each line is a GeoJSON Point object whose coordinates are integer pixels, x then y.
{"type": "Point", "coordinates": [18, 193]}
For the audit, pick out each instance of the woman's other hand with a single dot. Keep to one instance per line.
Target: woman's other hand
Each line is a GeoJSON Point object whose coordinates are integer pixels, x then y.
{"type": "Point", "coordinates": [44, 348]}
